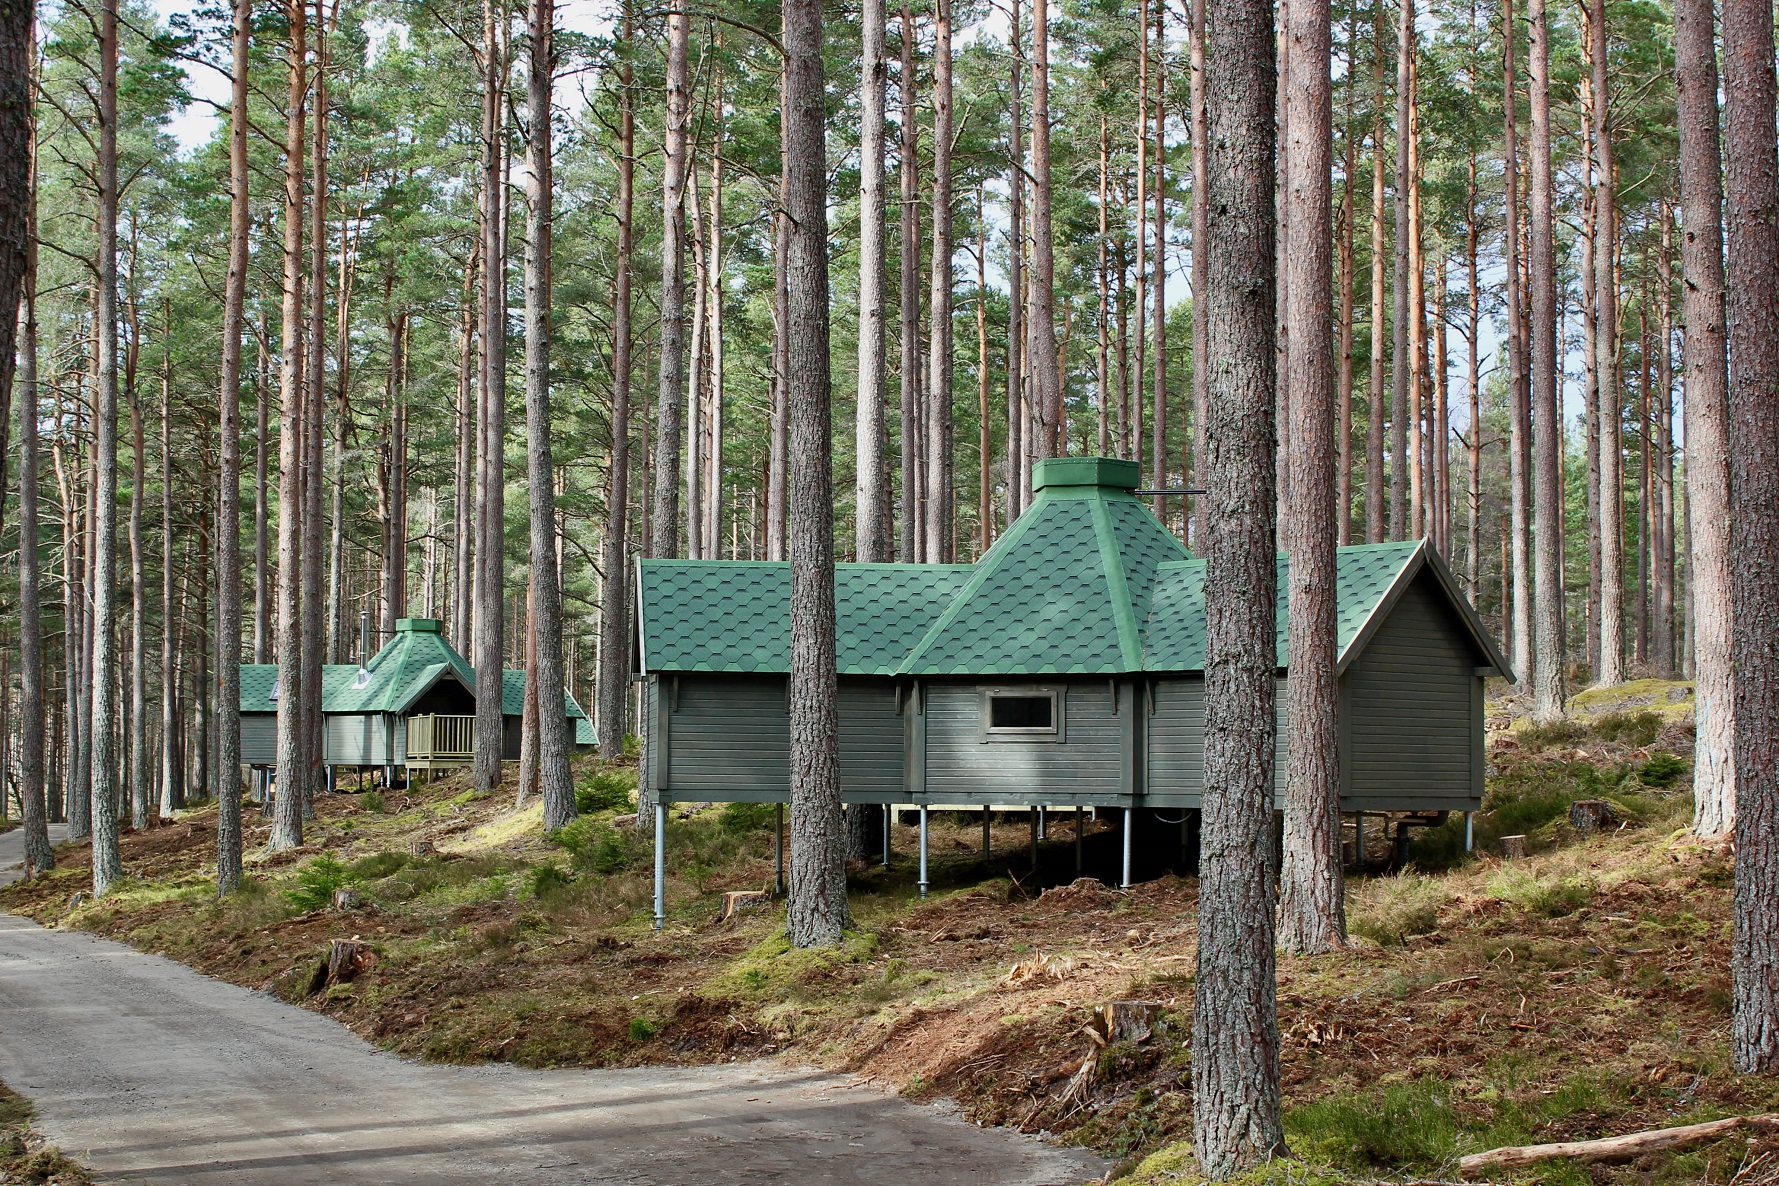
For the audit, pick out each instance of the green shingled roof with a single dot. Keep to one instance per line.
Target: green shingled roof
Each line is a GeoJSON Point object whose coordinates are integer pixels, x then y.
{"type": "Point", "coordinates": [410, 663]}
{"type": "Point", "coordinates": [1066, 591]}
{"type": "Point", "coordinates": [1086, 582]}
{"type": "Point", "coordinates": [735, 615]}
{"type": "Point", "coordinates": [1364, 577]}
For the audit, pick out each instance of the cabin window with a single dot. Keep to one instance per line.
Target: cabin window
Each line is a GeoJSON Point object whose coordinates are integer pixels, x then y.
{"type": "Point", "coordinates": [1015, 714]}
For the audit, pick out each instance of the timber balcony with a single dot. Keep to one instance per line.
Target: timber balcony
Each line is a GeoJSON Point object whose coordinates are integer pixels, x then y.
{"type": "Point", "coordinates": [439, 742]}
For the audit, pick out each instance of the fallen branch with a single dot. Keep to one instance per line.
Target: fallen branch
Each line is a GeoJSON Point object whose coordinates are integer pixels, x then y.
{"type": "Point", "coordinates": [1624, 1148]}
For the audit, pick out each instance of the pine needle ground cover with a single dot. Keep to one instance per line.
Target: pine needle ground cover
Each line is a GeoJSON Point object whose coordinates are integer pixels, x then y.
{"type": "Point", "coordinates": [25, 1160]}
{"type": "Point", "coordinates": [1580, 992]}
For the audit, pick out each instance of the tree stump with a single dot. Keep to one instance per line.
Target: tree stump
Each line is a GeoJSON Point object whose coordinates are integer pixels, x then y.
{"type": "Point", "coordinates": [1513, 848]}
{"type": "Point", "coordinates": [346, 959]}
{"type": "Point", "coordinates": [735, 901]}
{"type": "Point", "coordinates": [423, 848]}
{"type": "Point", "coordinates": [347, 899]}
{"type": "Point", "coordinates": [1127, 1021]}
{"type": "Point", "coordinates": [1591, 815]}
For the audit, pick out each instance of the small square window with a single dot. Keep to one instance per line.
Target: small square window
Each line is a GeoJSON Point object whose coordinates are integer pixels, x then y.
{"type": "Point", "coordinates": [1022, 712]}
{"type": "Point", "coordinates": [1015, 714]}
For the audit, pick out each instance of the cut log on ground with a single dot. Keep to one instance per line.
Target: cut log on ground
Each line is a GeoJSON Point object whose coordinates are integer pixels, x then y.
{"type": "Point", "coordinates": [346, 959]}
{"type": "Point", "coordinates": [1513, 847]}
{"type": "Point", "coordinates": [1591, 815]}
{"type": "Point", "coordinates": [1625, 1148]}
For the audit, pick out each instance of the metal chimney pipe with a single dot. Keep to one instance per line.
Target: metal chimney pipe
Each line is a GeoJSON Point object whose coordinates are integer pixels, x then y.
{"type": "Point", "coordinates": [364, 638]}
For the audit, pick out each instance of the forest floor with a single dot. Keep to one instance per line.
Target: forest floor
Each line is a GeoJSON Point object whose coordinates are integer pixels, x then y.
{"type": "Point", "coordinates": [1580, 992]}
{"type": "Point", "coordinates": [25, 1158]}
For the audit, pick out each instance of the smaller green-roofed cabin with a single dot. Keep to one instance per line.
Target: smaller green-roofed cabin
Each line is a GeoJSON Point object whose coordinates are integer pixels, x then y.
{"type": "Point", "coordinates": [412, 705]}
{"type": "Point", "coordinates": [1066, 667]}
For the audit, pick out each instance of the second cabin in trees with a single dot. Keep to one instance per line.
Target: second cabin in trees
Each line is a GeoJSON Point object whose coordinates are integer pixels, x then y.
{"type": "Point", "coordinates": [1065, 668]}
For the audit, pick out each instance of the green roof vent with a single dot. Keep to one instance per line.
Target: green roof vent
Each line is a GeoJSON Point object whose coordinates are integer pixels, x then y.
{"type": "Point", "coordinates": [1084, 471]}
{"type": "Point", "coordinates": [419, 626]}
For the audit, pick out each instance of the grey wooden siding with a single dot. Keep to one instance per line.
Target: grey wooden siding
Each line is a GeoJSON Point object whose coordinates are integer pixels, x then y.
{"type": "Point", "coordinates": [1413, 712]}
{"type": "Point", "coordinates": [355, 739]}
{"type": "Point", "coordinates": [728, 738]}
{"type": "Point", "coordinates": [1176, 743]}
{"type": "Point", "coordinates": [259, 739]}
{"type": "Point", "coordinates": [727, 735]}
{"type": "Point", "coordinates": [1092, 764]}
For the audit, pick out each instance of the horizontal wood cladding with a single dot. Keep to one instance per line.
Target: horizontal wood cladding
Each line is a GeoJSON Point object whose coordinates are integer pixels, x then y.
{"type": "Point", "coordinates": [727, 738]}
{"type": "Point", "coordinates": [1412, 710]}
{"type": "Point", "coordinates": [962, 766]}
{"type": "Point", "coordinates": [355, 739]}
{"type": "Point", "coordinates": [259, 739]}
{"type": "Point", "coordinates": [1176, 742]}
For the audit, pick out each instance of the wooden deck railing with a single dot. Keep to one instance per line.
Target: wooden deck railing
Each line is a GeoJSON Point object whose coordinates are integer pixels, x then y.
{"type": "Point", "coordinates": [438, 738]}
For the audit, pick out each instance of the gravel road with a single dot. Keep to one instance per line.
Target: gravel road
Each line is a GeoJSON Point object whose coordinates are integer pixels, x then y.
{"type": "Point", "coordinates": [151, 1072]}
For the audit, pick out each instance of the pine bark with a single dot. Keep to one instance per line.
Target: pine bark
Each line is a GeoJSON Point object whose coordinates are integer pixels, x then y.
{"type": "Point", "coordinates": [675, 162]}
{"type": "Point", "coordinates": [33, 701]}
{"type": "Point", "coordinates": [1235, 1039]}
{"type": "Point", "coordinates": [940, 501]}
{"type": "Point", "coordinates": [1200, 239]}
{"type": "Point", "coordinates": [1019, 465]}
{"type": "Point", "coordinates": [554, 778]}
{"type": "Point", "coordinates": [1519, 463]}
{"type": "Point", "coordinates": [908, 165]}
{"type": "Point", "coordinates": [1158, 354]}
{"type": "Point", "coordinates": [1606, 377]}
{"type": "Point", "coordinates": [293, 741]}
{"type": "Point", "coordinates": [17, 152]}
{"type": "Point", "coordinates": [817, 912]}
{"type": "Point", "coordinates": [170, 772]}
{"type": "Point", "coordinates": [1046, 389]}
{"type": "Point", "coordinates": [1751, 190]}
{"type": "Point", "coordinates": [1705, 391]}
{"type": "Point", "coordinates": [1375, 484]}
{"type": "Point", "coordinates": [614, 619]}
{"type": "Point", "coordinates": [1402, 354]}
{"type": "Point", "coordinates": [262, 568]}
{"type": "Point", "coordinates": [228, 523]}
{"type": "Point", "coordinates": [490, 608]}
{"type": "Point", "coordinates": [1343, 482]}
{"type": "Point", "coordinates": [136, 781]}
{"type": "Point", "coordinates": [1312, 916]}
{"type": "Point", "coordinates": [871, 515]}
{"type": "Point", "coordinates": [463, 580]}
{"type": "Point", "coordinates": [314, 620]}
{"type": "Point", "coordinates": [107, 861]}
{"type": "Point", "coordinates": [1547, 427]}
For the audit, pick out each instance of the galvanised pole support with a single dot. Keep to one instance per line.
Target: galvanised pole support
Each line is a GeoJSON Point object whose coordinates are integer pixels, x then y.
{"type": "Point", "coordinates": [1469, 831]}
{"type": "Point", "coordinates": [660, 865]}
{"type": "Point", "coordinates": [1124, 882]}
{"type": "Point", "coordinates": [923, 850]}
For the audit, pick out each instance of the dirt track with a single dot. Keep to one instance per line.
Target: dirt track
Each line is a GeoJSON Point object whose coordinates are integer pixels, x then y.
{"type": "Point", "coordinates": [151, 1072]}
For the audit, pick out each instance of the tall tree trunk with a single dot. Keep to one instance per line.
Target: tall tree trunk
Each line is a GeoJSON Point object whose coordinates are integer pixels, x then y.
{"type": "Point", "coordinates": [262, 568]}
{"type": "Point", "coordinates": [1402, 359]}
{"type": "Point", "coordinates": [1102, 341]}
{"type": "Point", "coordinates": [555, 781]}
{"type": "Point", "coordinates": [1200, 242]}
{"type": "Point", "coordinates": [314, 617]}
{"type": "Point", "coordinates": [463, 580]}
{"type": "Point", "coordinates": [614, 620]}
{"type": "Point", "coordinates": [33, 703]}
{"type": "Point", "coordinates": [1343, 482]}
{"type": "Point", "coordinates": [1547, 425]}
{"type": "Point", "coordinates": [1473, 384]}
{"type": "Point", "coordinates": [228, 525]}
{"type": "Point", "coordinates": [1645, 482]}
{"type": "Point", "coordinates": [1375, 485]}
{"type": "Point", "coordinates": [1312, 915]}
{"type": "Point", "coordinates": [395, 527]}
{"type": "Point", "coordinates": [1605, 348]}
{"type": "Point", "coordinates": [908, 165]}
{"type": "Point", "coordinates": [1019, 464]}
{"type": "Point", "coordinates": [1519, 463]}
{"type": "Point", "coordinates": [713, 451]}
{"type": "Point", "coordinates": [1752, 192]}
{"type": "Point", "coordinates": [697, 395]}
{"type": "Point", "coordinates": [137, 779]}
{"type": "Point", "coordinates": [339, 633]}
{"type": "Point", "coordinates": [940, 498]}
{"type": "Point", "coordinates": [984, 439]}
{"type": "Point", "coordinates": [871, 513]}
{"type": "Point", "coordinates": [1662, 643]}
{"type": "Point", "coordinates": [107, 862]}
{"type": "Point", "coordinates": [17, 182]}
{"type": "Point", "coordinates": [1235, 1040]}
{"type": "Point", "coordinates": [675, 164]}
{"type": "Point", "coordinates": [1046, 390]}
{"type": "Point", "coordinates": [490, 612]}
{"type": "Point", "coordinates": [171, 770]}
{"type": "Point", "coordinates": [1158, 355]}
{"type": "Point", "coordinates": [293, 738]}
{"type": "Point", "coordinates": [817, 912]}
{"type": "Point", "coordinates": [778, 469]}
